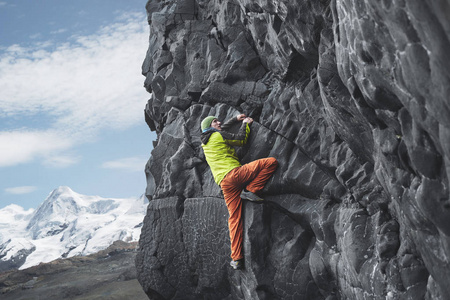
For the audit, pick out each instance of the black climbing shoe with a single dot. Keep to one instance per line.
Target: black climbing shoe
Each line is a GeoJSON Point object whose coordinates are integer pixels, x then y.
{"type": "Point", "coordinates": [237, 264]}
{"type": "Point", "coordinates": [247, 195]}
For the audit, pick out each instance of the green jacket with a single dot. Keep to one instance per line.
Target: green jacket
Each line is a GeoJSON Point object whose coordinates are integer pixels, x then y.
{"type": "Point", "coordinates": [219, 153]}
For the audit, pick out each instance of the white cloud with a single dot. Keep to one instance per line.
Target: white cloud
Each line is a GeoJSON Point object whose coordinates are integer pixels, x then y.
{"type": "Point", "coordinates": [131, 164]}
{"type": "Point", "coordinates": [23, 146]}
{"type": "Point", "coordinates": [90, 84]}
{"type": "Point", "coordinates": [60, 161]}
{"type": "Point", "coordinates": [35, 36]}
{"type": "Point", "coordinates": [62, 30]}
{"type": "Point", "coordinates": [20, 190]}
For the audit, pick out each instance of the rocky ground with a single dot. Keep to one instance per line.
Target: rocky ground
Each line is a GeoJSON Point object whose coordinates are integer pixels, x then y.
{"type": "Point", "coordinates": [108, 274]}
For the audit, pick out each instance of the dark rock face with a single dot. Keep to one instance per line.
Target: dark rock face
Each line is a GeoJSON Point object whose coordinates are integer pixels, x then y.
{"type": "Point", "coordinates": [351, 97]}
{"type": "Point", "coordinates": [16, 261]}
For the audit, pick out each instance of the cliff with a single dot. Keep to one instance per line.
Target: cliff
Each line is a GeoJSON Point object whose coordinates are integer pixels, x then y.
{"type": "Point", "coordinates": [351, 97]}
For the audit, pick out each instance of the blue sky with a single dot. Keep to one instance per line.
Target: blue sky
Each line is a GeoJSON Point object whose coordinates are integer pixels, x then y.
{"type": "Point", "coordinates": [72, 99]}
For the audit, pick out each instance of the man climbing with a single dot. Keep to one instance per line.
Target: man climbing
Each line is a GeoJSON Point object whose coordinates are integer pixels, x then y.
{"type": "Point", "coordinates": [237, 181]}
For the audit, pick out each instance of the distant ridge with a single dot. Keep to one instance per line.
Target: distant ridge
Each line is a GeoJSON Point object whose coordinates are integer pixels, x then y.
{"type": "Point", "coordinates": [66, 224]}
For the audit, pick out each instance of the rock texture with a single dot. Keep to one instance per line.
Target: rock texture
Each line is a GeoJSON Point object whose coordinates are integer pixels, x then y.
{"type": "Point", "coordinates": [352, 98]}
{"type": "Point", "coordinates": [108, 274]}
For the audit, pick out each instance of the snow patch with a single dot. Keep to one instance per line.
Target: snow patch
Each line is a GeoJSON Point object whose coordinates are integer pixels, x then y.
{"type": "Point", "coordinates": [67, 224]}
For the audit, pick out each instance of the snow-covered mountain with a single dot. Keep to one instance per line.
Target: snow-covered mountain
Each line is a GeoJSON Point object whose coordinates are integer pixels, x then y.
{"type": "Point", "coordinates": [66, 224]}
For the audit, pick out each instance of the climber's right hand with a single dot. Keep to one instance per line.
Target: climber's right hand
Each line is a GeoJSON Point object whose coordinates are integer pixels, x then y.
{"type": "Point", "coordinates": [248, 120]}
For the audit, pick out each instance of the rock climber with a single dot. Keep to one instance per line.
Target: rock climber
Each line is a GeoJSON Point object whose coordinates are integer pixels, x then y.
{"type": "Point", "coordinates": [236, 181]}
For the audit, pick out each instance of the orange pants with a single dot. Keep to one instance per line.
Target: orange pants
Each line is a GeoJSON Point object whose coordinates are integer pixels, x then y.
{"type": "Point", "coordinates": [252, 176]}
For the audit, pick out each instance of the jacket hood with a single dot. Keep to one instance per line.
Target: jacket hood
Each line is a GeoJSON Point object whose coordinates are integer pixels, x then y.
{"type": "Point", "coordinates": [206, 135]}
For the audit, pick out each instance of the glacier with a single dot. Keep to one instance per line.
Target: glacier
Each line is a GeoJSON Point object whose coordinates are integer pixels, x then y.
{"type": "Point", "coordinates": [66, 224]}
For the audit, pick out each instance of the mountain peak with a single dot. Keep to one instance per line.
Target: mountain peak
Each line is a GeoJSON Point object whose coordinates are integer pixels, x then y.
{"type": "Point", "coordinates": [61, 190]}
{"type": "Point", "coordinates": [68, 224]}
